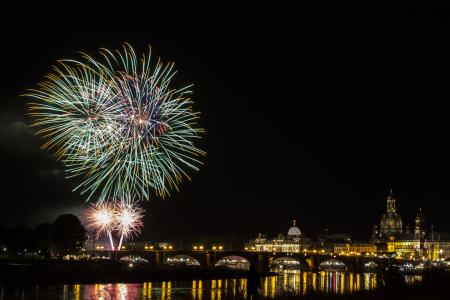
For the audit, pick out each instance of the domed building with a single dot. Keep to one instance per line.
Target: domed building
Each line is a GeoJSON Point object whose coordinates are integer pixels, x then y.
{"type": "Point", "coordinates": [416, 242]}
{"type": "Point", "coordinates": [295, 241]}
{"type": "Point", "coordinates": [391, 225]}
{"type": "Point", "coordinates": [294, 232]}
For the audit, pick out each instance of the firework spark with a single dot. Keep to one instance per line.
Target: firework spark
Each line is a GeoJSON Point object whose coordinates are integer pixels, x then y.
{"type": "Point", "coordinates": [123, 129]}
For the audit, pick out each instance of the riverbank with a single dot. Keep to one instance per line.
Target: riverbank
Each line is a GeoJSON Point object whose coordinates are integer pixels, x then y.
{"type": "Point", "coordinates": [50, 272]}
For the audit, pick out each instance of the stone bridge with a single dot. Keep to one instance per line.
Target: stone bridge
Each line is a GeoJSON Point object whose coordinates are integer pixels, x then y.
{"type": "Point", "coordinates": [262, 260]}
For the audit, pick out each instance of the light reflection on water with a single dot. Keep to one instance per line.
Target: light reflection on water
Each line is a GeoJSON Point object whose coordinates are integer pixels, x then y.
{"type": "Point", "coordinates": [293, 281]}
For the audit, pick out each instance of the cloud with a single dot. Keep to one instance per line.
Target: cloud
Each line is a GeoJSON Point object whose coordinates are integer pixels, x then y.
{"type": "Point", "coordinates": [16, 136]}
{"type": "Point", "coordinates": [51, 174]}
{"type": "Point", "coordinates": [49, 214]}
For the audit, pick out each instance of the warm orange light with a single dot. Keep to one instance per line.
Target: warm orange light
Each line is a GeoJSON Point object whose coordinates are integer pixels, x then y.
{"type": "Point", "coordinates": [170, 247]}
{"type": "Point", "coordinates": [151, 247]}
{"type": "Point", "coordinates": [165, 247]}
{"type": "Point", "coordinates": [201, 247]}
{"type": "Point", "coordinates": [246, 248]}
{"type": "Point", "coordinates": [253, 248]}
{"type": "Point", "coordinates": [220, 247]}
{"type": "Point", "coordinates": [195, 247]}
{"type": "Point", "coordinates": [123, 247]}
{"type": "Point", "coordinates": [214, 248]}
{"type": "Point", "coordinates": [146, 247]}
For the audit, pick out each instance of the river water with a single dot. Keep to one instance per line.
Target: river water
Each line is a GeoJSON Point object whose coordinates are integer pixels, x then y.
{"type": "Point", "coordinates": [298, 281]}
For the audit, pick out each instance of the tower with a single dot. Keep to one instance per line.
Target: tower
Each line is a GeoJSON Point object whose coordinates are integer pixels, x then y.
{"type": "Point", "coordinates": [420, 229]}
{"type": "Point", "coordinates": [419, 234]}
{"type": "Point", "coordinates": [391, 203]}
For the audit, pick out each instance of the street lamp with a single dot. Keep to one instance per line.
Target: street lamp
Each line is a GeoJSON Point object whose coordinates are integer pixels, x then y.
{"type": "Point", "coordinates": [195, 247]}
{"type": "Point", "coordinates": [220, 247]}
{"type": "Point", "coordinates": [165, 247]}
{"type": "Point", "coordinates": [146, 247]}
{"type": "Point", "coordinates": [214, 248]}
{"type": "Point", "coordinates": [170, 247]}
{"type": "Point", "coordinates": [201, 247]}
{"type": "Point", "coordinates": [246, 248]}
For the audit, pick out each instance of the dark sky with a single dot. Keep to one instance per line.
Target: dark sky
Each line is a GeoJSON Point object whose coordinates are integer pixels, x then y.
{"type": "Point", "coordinates": [311, 113]}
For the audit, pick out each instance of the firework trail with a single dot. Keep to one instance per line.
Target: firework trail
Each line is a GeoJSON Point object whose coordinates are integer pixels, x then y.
{"type": "Point", "coordinates": [118, 124]}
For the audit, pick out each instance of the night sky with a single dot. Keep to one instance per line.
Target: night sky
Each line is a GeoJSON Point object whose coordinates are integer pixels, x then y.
{"type": "Point", "coordinates": [310, 113]}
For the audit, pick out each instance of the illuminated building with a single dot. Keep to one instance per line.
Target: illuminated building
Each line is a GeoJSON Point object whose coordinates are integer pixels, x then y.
{"type": "Point", "coordinates": [295, 241]}
{"type": "Point", "coordinates": [391, 223]}
{"type": "Point", "coordinates": [354, 248]}
{"type": "Point", "coordinates": [421, 243]}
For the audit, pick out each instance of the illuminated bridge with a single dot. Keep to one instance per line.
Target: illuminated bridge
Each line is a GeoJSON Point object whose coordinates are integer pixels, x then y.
{"type": "Point", "coordinates": [262, 260]}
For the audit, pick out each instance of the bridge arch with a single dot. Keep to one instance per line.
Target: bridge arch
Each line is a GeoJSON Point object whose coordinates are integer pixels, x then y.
{"type": "Point", "coordinates": [370, 264]}
{"type": "Point", "coordinates": [133, 258]}
{"type": "Point", "coordinates": [289, 263]}
{"type": "Point", "coordinates": [250, 257]}
{"type": "Point", "coordinates": [234, 262]}
{"type": "Point", "coordinates": [349, 262]}
{"type": "Point", "coordinates": [332, 265]}
{"type": "Point", "coordinates": [181, 260]}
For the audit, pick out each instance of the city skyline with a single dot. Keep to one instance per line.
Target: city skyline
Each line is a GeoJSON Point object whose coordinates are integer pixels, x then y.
{"type": "Point", "coordinates": [307, 117]}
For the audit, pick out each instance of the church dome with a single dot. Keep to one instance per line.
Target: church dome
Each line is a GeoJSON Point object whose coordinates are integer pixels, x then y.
{"type": "Point", "coordinates": [294, 231]}
{"type": "Point", "coordinates": [420, 215]}
{"type": "Point", "coordinates": [392, 219]}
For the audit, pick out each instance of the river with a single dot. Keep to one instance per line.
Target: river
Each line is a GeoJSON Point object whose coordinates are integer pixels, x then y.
{"type": "Point", "coordinates": [298, 281]}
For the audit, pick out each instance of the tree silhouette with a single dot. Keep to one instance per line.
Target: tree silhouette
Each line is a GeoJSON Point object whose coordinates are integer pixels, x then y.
{"type": "Point", "coordinates": [67, 234]}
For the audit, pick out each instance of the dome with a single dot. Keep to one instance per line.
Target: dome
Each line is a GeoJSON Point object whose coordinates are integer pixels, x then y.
{"type": "Point", "coordinates": [294, 231]}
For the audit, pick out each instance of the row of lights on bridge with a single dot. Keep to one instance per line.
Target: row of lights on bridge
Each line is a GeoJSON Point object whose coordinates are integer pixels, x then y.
{"type": "Point", "coordinates": [246, 249]}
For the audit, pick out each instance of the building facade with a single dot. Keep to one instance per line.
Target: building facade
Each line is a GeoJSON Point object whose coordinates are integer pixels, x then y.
{"type": "Point", "coordinates": [355, 248]}
{"type": "Point", "coordinates": [295, 241]}
{"type": "Point", "coordinates": [421, 243]}
{"type": "Point", "coordinates": [418, 243]}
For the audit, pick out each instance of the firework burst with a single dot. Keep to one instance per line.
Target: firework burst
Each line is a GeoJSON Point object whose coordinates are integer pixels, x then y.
{"type": "Point", "coordinates": [128, 220]}
{"type": "Point", "coordinates": [102, 218]}
{"type": "Point", "coordinates": [118, 124]}
{"type": "Point", "coordinates": [122, 217]}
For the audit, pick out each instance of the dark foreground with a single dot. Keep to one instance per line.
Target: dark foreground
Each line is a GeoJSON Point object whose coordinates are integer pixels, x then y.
{"type": "Point", "coordinates": [47, 272]}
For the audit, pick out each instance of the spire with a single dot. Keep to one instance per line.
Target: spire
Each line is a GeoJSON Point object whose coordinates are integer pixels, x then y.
{"type": "Point", "coordinates": [391, 196]}
{"type": "Point", "coordinates": [294, 221]}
